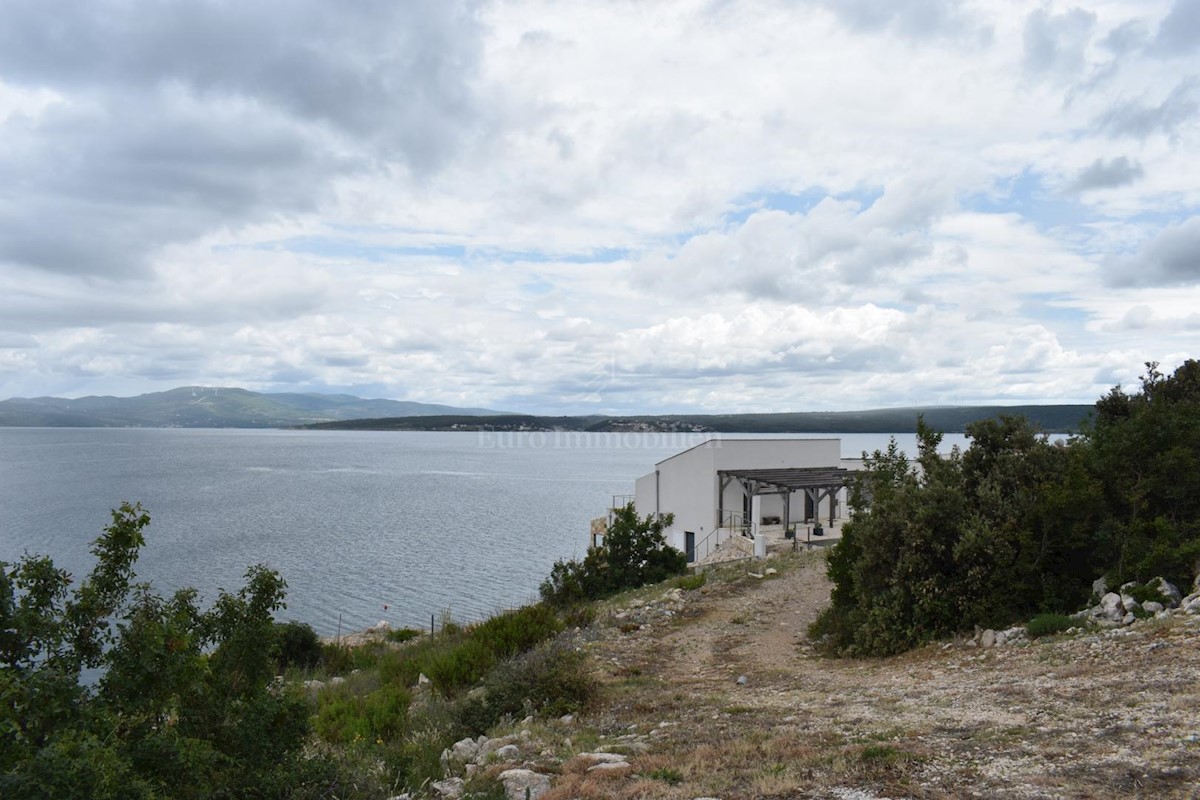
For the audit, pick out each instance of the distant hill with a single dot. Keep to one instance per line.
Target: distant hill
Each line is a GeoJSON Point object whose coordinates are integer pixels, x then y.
{"type": "Point", "coordinates": [207, 407]}
{"type": "Point", "coordinates": [948, 419]}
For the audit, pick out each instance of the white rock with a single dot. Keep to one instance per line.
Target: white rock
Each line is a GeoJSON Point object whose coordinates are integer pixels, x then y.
{"type": "Point", "coordinates": [337, 680]}
{"type": "Point", "coordinates": [613, 766]}
{"type": "Point", "coordinates": [742, 680]}
{"type": "Point", "coordinates": [522, 783]}
{"type": "Point", "coordinates": [1099, 587]}
{"type": "Point", "coordinates": [1152, 607]}
{"type": "Point", "coordinates": [1167, 590]}
{"type": "Point", "coordinates": [606, 758]}
{"type": "Point", "coordinates": [770, 571]}
{"type": "Point", "coordinates": [451, 788]}
{"type": "Point", "coordinates": [987, 638]}
{"type": "Point", "coordinates": [508, 752]}
{"type": "Point", "coordinates": [1111, 602]}
{"type": "Point", "coordinates": [1128, 619]}
{"type": "Point", "coordinates": [1130, 604]}
{"type": "Point", "coordinates": [567, 719]}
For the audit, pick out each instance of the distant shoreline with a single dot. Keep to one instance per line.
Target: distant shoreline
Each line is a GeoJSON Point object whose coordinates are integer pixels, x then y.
{"type": "Point", "coordinates": [947, 419]}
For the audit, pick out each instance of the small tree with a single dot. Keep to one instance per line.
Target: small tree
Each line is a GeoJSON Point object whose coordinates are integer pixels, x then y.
{"type": "Point", "coordinates": [185, 705]}
{"type": "Point", "coordinates": [635, 552]}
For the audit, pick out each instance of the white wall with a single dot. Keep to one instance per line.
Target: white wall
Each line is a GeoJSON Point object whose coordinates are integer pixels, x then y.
{"type": "Point", "coordinates": [687, 483]}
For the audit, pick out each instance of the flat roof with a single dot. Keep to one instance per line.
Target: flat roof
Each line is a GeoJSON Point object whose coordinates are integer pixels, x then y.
{"type": "Point", "coordinates": [722, 440]}
{"type": "Point", "coordinates": [792, 478]}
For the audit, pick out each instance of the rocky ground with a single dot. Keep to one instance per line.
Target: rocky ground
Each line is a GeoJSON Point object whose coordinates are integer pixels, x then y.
{"type": "Point", "coordinates": [716, 692]}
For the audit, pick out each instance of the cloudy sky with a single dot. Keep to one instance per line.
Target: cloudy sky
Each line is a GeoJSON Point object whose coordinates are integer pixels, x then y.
{"type": "Point", "coordinates": [602, 206]}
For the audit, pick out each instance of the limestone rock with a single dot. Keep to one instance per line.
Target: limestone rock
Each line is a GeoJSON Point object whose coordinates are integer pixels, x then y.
{"type": "Point", "coordinates": [611, 767]}
{"type": "Point", "coordinates": [462, 750]}
{"type": "Point", "coordinates": [1130, 604]}
{"type": "Point", "coordinates": [605, 758]}
{"type": "Point", "coordinates": [1167, 589]}
{"type": "Point", "coordinates": [1099, 587]}
{"type": "Point", "coordinates": [451, 788]}
{"type": "Point", "coordinates": [1152, 607]}
{"type": "Point", "coordinates": [508, 752]}
{"type": "Point", "coordinates": [522, 783]}
{"type": "Point", "coordinates": [987, 638]}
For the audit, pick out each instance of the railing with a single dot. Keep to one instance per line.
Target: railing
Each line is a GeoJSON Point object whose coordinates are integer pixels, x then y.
{"type": "Point", "coordinates": [732, 524]}
{"type": "Point", "coordinates": [735, 520]}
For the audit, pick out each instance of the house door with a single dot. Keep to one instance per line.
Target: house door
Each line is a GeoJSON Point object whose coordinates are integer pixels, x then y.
{"type": "Point", "coordinates": [689, 545]}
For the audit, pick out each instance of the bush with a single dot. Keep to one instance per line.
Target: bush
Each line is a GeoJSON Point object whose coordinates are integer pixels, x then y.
{"type": "Point", "coordinates": [1148, 593]}
{"type": "Point", "coordinates": [1049, 624]}
{"type": "Point", "coordinates": [345, 717]}
{"type": "Point", "coordinates": [185, 705]}
{"type": "Point", "coordinates": [551, 680]}
{"type": "Point", "coordinates": [635, 553]}
{"type": "Point", "coordinates": [296, 645]}
{"type": "Point", "coordinates": [403, 635]}
{"type": "Point", "coordinates": [692, 582]}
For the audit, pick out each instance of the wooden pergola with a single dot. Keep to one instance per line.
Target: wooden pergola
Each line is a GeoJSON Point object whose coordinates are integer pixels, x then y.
{"type": "Point", "coordinates": [817, 483]}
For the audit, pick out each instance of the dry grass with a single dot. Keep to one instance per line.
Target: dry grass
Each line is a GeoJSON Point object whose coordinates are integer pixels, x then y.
{"type": "Point", "coordinates": [1089, 716]}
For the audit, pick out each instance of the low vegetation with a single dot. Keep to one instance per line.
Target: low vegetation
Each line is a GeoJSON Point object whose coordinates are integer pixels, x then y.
{"type": "Point", "coordinates": [110, 690]}
{"type": "Point", "coordinates": [634, 554]}
{"type": "Point", "coordinates": [1017, 525]}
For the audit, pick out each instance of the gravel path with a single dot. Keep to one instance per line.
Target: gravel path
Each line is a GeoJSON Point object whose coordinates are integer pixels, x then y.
{"type": "Point", "coordinates": [1106, 715]}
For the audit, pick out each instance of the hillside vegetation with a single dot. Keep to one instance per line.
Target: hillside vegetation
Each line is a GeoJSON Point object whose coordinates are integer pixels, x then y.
{"type": "Point", "coordinates": [1018, 525]}
{"type": "Point", "coordinates": [747, 681]}
{"type": "Point", "coordinates": [948, 419]}
{"type": "Point", "coordinates": [206, 407]}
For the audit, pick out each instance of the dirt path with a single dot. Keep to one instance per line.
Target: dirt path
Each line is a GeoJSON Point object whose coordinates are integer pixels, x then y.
{"type": "Point", "coordinates": [1104, 715]}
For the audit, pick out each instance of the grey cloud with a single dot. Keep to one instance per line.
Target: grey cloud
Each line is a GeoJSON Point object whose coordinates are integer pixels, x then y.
{"type": "Point", "coordinates": [1101, 174]}
{"type": "Point", "coordinates": [181, 118]}
{"type": "Point", "coordinates": [1054, 43]}
{"type": "Point", "coordinates": [920, 19]}
{"type": "Point", "coordinates": [1172, 258]}
{"type": "Point", "coordinates": [31, 306]}
{"type": "Point", "coordinates": [1126, 37]}
{"type": "Point", "coordinates": [372, 67]}
{"type": "Point", "coordinates": [781, 256]}
{"type": "Point", "coordinates": [1133, 118]}
{"type": "Point", "coordinates": [1179, 32]}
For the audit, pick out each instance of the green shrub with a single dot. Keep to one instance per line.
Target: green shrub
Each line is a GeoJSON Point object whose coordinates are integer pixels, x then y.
{"type": "Point", "coordinates": [1049, 624]}
{"type": "Point", "coordinates": [403, 635]}
{"type": "Point", "coordinates": [578, 616]}
{"type": "Point", "coordinates": [692, 582]}
{"type": "Point", "coordinates": [345, 717]}
{"type": "Point", "coordinates": [1147, 593]}
{"type": "Point", "coordinates": [296, 645]}
{"type": "Point", "coordinates": [551, 680]}
{"type": "Point", "coordinates": [666, 774]}
{"type": "Point", "coordinates": [635, 553]}
{"type": "Point", "coordinates": [185, 706]}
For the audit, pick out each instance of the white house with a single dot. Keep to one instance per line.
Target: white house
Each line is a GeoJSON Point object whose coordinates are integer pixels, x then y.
{"type": "Point", "coordinates": [745, 491]}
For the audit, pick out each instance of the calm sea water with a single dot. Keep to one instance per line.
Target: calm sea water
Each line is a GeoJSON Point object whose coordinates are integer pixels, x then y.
{"type": "Point", "coordinates": [354, 521]}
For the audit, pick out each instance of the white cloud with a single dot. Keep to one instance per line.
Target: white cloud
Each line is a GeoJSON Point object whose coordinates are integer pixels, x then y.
{"type": "Point", "coordinates": [620, 206]}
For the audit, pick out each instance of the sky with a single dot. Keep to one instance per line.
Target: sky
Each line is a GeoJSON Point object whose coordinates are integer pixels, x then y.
{"type": "Point", "coordinates": [602, 207]}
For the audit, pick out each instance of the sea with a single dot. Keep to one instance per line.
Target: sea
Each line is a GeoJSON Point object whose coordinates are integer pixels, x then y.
{"type": "Point", "coordinates": [402, 527]}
